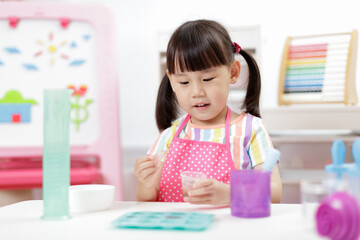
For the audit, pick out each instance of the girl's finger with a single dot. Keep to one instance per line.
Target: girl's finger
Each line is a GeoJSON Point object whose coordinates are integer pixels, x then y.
{"type": "Point", "coordinates": [146, 172]}
{"type": "Point", "coordinates": [200, 191]}
{"type": "Point", "coordinates": [139, 169]}
{"type": "Point", "coordinates": [203, 183]}
{"type": "Point", "coordinates": [148, 164]}
{"type": "Point", "coordinates": [144, 165]}
{"type": "Point", "coordinates": [143, 159]}
{"type": "Point", "coordinates": [205, 199]}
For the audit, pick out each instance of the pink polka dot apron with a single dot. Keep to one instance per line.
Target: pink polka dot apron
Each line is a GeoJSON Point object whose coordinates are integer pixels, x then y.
{"type": "Point", "coordinates": [213, 159]}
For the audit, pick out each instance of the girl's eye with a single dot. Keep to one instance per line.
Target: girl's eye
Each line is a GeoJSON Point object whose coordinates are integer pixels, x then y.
{"type": "Point", "coordinates": [208, 79]}
{"type": "Point", "coordinates": [184, 83]}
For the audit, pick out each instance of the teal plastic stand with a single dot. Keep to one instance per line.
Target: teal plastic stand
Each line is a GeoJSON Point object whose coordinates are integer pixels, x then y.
{"type": "Point", "coordinates": [56, 154]}
{"type": "Point", "coordinates": [353, 169]}
{"type": "Point", "coordinates": [356, 151]}
{"type": "Point", "coordinates": [338, 166]}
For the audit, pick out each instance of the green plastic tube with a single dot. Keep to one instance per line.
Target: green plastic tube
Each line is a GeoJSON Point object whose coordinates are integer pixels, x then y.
{"type": "Point", "coordinates": [56, 154]}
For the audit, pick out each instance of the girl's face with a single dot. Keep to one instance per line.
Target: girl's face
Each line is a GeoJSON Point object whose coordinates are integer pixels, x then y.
{"type": "Point", "coordinates": [204, 94]}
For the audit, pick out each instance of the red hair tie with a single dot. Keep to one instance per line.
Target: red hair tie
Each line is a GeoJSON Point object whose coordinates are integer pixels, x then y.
{"type": "Point", "coordinates": [237, 47]}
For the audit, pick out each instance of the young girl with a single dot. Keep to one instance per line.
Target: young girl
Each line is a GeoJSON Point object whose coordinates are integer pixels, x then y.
{"type": "Point", "coordinates": [210, 138]}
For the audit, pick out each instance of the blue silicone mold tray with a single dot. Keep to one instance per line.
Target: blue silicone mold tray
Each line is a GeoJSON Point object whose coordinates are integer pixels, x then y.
{"type": "Point", "coordinates": [190, 221]}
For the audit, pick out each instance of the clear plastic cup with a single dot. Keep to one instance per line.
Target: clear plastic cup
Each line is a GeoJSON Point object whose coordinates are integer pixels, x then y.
{"type": "Point", "coordinates": [159, 157]}
{"type": "Point", "coordinates": [354, 187]}
{"type": "Point", "coordinates": [188, 180]}
{"type": "Point", "coordinates": [313, 192]}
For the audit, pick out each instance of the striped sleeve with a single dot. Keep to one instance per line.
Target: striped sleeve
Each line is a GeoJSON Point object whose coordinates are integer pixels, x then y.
{"type": "Point", "coordinates": [164, 140]}
{"type": "Point", "coordinates": [260, 142]}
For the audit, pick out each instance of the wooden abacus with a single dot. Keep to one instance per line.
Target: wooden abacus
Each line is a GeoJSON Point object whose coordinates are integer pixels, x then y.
{"type": "Point", "coordinates": [319, 69]}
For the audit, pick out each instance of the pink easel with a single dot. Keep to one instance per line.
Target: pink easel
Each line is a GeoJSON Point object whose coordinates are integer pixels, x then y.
{"type": "Point", "coordinates": [22, 169]}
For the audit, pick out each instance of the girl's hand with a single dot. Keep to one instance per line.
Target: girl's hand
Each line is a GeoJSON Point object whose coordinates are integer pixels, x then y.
{"type": "Point", "coordinates": [148, 172]}
{"type": "Point", "coordinates": [209, 191]}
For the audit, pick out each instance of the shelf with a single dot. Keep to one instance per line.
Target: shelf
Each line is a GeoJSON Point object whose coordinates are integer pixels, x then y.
{"type": "Point", "coordinates": [292, 176]}
{"type": "Point", "coordinates": [312, 117]}
{"type": "Point", "coordinates": [286, 138]}
{"type": "Point", "coordinates": [312, 123]}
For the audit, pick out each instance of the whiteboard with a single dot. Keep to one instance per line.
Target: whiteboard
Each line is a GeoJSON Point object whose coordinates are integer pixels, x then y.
{"type": "Point", "coordinates": [39, 54]}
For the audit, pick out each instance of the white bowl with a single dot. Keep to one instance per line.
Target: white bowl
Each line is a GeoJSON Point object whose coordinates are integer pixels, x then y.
{"type": "Point", "coordinates": [91, 197]}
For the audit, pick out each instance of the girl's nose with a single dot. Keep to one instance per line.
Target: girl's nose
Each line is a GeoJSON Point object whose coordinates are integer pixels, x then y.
{"type": "Point", "coordinates": [198, 90]}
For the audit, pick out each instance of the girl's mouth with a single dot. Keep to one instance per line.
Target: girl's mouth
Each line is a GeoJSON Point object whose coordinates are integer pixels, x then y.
{"type": "Point", "coordinates": [202, 106]}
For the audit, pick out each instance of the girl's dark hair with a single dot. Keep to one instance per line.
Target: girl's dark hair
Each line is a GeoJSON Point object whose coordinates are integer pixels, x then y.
{"type": "Point", "coordinates": [195, 46]}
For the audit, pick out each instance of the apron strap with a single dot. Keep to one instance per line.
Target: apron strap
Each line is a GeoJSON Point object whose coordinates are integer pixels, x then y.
{"type": "Point", "coordinates": [227, 128]}
{"type": "Point", "coordinates": [182, 126]}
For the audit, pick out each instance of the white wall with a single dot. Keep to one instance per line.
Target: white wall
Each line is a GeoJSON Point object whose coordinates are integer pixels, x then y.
{"type": "Point", "coordinates": [139, 23]}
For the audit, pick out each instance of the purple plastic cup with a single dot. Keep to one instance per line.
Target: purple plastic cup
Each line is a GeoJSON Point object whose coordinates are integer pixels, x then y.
{"type": "Point", "coordinates": [338, 217]}
{"type": "Point", "coordinates": [250, 193]}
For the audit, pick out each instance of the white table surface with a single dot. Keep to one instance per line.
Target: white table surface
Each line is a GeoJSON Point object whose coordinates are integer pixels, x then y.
{"type": "Point", "coordinates": [22, 221]}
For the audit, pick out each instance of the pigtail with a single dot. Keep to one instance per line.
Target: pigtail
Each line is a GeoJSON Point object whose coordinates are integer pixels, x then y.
{"type": "Point", "coordinates": [166, 105]}
{"type": "Point", "coordinates": [252, 99]}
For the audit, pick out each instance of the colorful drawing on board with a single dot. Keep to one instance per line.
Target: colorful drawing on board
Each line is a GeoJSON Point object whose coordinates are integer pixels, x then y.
{"type": "Point", "coordinates": [30, 66]}
{"type": "Point", "coordinates": [77, 62]}
{"type": "Point", "coordinates": [16, 51]}
{"type": "Point", "coordinates": [86, 37]}
{"type": "Point", "coordinates": [80, 112]}
{"type": "Point", "coordinates": [73, 45]}
{"type": "Point", "coordinates": [51, 48]}
{"type": "Point", "coordinates": [54, 50]}
{"type": "Point", "coordinates": [12, 50]}
{"type": "Point", "coordinates": [14, 108]}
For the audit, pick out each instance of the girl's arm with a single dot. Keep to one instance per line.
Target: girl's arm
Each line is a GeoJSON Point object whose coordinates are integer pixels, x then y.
{"type": "Point", "coordinates": [275, 184]}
